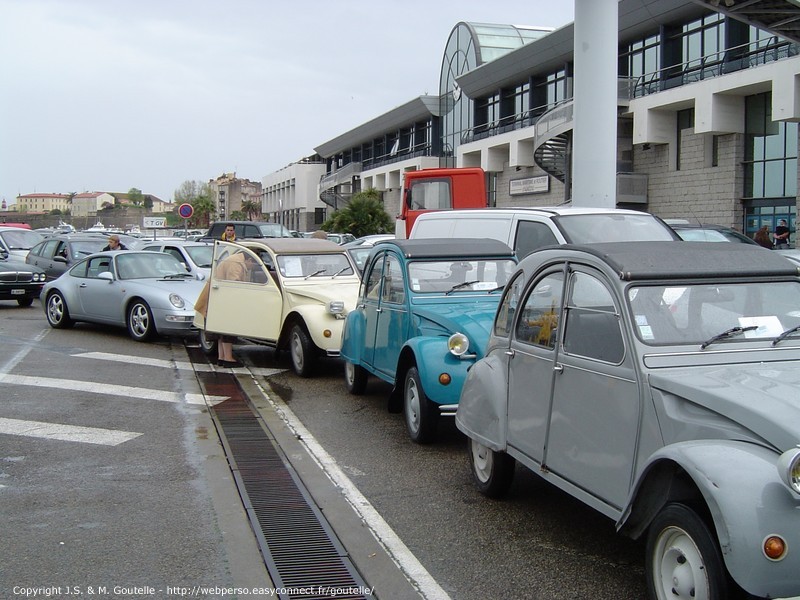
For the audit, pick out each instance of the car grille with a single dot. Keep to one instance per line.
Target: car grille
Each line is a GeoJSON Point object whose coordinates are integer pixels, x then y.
{"type": "Point", "coordinates": [16, 277]}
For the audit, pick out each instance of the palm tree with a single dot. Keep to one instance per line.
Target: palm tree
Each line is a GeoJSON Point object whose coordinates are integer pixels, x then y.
{"type": "Point", "coordinates": [252, 208]}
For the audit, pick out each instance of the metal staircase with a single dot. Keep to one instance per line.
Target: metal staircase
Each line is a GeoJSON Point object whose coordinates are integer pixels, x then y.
{"type": "Point", "coordinates": [336, 188]}
{"type": "Point", "coordinates": [553, 140]}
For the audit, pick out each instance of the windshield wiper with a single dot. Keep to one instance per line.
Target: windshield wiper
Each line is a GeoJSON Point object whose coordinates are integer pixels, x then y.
{"type": "Point", "coordinates": [315, 273]}
{"type": "Point", "coordinates": [177, 275]}
{"type": "Point", "coordinates": [785, 334]}
{"type": "Point", "coordinates": [340, 271]}
{"type": "Point", "coordinates": [726, 334]}
{"type": "Point", "coordinates": [461, 285]}
{"type": "Point", "coordinates": [496, 289]}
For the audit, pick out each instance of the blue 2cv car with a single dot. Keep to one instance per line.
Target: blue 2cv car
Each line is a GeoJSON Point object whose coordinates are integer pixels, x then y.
{"type": "Point", "coordinates": [658, 383]}
{"type": "Point", "coordinates": [422, 319]}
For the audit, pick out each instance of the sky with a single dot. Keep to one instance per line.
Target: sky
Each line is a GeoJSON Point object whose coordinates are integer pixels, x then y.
{"type": "Point", "coordinates": [109, 95]}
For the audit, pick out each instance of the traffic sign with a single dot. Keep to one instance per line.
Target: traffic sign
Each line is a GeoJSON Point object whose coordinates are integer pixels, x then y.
{"type": "Point", "coordinates": [154, 222]}
{"type": "Point", "coordinates": [186, 210]}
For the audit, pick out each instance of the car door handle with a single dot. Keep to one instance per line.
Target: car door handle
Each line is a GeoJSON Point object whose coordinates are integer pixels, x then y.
{"type": "Point", "coordinates": [378, 310]}
{"type": "Point", "coordinates": [559, 368]}
{"type": "Point", "coordinates": [510, 353]}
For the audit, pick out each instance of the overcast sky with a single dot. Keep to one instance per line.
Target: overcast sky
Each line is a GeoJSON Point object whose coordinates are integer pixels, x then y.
{"type": "Point", "coordinates": [108, 95]}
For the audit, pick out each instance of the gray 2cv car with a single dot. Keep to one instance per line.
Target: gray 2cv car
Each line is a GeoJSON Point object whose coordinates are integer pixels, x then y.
{"type": "Point", "coordinates": [658, 383]}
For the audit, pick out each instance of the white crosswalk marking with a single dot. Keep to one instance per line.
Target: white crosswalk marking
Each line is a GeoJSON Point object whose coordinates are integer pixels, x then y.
{"type": "Point", "coordinates": [66, 433]}
{"type": "Point", "coordinates": [173, 364]}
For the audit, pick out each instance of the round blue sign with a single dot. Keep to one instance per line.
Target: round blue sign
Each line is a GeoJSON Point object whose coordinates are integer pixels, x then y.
{"type": "Point", "coordinates": [185, 210]}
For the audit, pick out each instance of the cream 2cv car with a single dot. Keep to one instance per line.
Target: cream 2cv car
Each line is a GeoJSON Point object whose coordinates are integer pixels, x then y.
{"type": "Point", "coordinates": [297, 296]}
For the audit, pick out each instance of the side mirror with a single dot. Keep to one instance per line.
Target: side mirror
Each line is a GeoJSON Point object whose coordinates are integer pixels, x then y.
{"type": "Point", "coordinates": [107, 276]}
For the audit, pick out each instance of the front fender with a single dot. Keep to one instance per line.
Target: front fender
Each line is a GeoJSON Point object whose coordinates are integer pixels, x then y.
{"type": "Point", "coordinates": [433, 358]}
{"type": "Point", "coordinates": [318, 320]}
{"type": "Point", "coordinates": [482, 410]}
{"type": "Point", "coordinates": [747, 501]}
{"type": "Point", "coordinates": [353, 337]}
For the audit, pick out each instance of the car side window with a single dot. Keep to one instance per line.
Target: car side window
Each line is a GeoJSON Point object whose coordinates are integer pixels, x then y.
{"type": "Point", "coordinates": [394, 290]}
{"type": "Point", "coordinates": [508, 306]}
{"type": "Point", "coordinates": [538, 323]}
{"type": "Point", "coordinates": [532, 235]}
{"type": "Point", "coordinates": [592, 324]}
{"type": "Point", "coordinates": [373, 281]}
{"type": "Point", "coordinates": [98, 265]}
{"type": "Point", "coordinates": [46, 250]}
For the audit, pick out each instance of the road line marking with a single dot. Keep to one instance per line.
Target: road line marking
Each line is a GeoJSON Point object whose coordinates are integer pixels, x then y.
{"type": "Point", "coordinates": [110, 389]}
{"type": "Point", "coordinates": [172, 364]}
{"type": "Point", "coordinates": [66, 433]}
{"type": "Point", "coordinates": [398, 551]}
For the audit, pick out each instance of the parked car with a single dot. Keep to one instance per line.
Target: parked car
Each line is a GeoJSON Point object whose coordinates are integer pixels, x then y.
{"type": "Point", "coordinates": [657, 383]}
{"type": "Point", "coordinates": [17, 241]}
{"type": "Point", "coordinates": [19, 281]}
{"type": "Point", "coordinates": [246, 230]}
{"type": "Point", "coordinates": [422, 319]}
{"type": "Point", "coordinates": [341, 238]}
{"type": "Point", "coordinates": [58, 253]}
{"type": "Point", "coordinates": [706, 232]}
{"type": "Point", "coordinates": [150, 293]}
{"type": "Point", "coordinates": [297, 299]}
{"type": "Point", "coordinates": [370, 240]}
{"type": "Point", "coordinates": [194, 256]}
{"type": "Point", "coordinates": [526, 229]}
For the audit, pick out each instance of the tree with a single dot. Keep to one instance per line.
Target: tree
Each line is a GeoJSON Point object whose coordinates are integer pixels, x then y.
{"type": "Point", "coordinates": [199, 195]}
{"type": "Point", "coordinates": [238, 215]}
{"type": "Point", "coordinates": [363, 215]}
{"type": "Point", "coordinates": [136, 197]}
{"type": "Point", "coordinates": [252, 209]}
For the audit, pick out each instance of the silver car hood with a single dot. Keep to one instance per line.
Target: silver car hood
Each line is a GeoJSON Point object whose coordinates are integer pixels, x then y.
{"type": "Point", "coordinates": [763, 398]}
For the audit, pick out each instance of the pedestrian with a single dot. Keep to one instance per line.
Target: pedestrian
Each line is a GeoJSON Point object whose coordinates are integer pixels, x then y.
{"type": "Point", "coordinates": [114, 243]}
{"type": "Point", "coordinates": [762, 237]}
{"type": "Point", "coordinates": [229, 235]}
{"type": "Point", "coordinates": [781, 235]}
{"type": "Point", "coordinates": [237, 267]}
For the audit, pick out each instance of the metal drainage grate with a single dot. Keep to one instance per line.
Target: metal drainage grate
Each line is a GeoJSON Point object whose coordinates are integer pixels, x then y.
{"type": "Point", "coordinates": [303, 556]}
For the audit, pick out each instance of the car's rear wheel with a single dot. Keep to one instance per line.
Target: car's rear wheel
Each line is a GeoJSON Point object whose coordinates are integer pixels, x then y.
{"type": "Point", "coordinates": [140, 321]}
{"type": "Point", "coordinates": [683, 557]}
{"type": "Point", "coordinates": [421, 414]}
{"type": "Point", "coordinates": [208, 346]}
{"type": "Point", "coordinates": [492, 471]}
{"type": "Point", "coordinates": [355, 378]}
{"type": "Point", "coordinates": [57, 312]}
{"type": "Point", "coordinates": [24, 302]}
{"type": "Point", "coordinates": [303, 351]}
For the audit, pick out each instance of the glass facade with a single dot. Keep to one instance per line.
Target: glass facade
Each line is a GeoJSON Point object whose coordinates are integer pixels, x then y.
{"type": "Point", "coordinates": [770, 167]}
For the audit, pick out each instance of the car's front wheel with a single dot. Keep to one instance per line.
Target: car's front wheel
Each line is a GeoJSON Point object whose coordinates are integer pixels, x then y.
{"type": "Point", "coordinates": [492, 471]}
{"type": "Point", "coordinates": [683, 557]}
{"type": "Point", "coordinates": [208, 346]}
{"type": "Point", "coordinates": [303, 351]}
{"type": "Point", "coordinates": [24, 302]}
{"type": "Point", "coordinates": [57, 312]}
{"type": "Point", "coordinates": [355, 378]}
{"type": "Point", "coordinates": [421, 414]}
{"type": "Point", "coordinates": [140, 321]}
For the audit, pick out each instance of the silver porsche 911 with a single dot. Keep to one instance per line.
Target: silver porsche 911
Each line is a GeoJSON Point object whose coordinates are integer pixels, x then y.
{"type": "Point", "coordinates": [149, 293]}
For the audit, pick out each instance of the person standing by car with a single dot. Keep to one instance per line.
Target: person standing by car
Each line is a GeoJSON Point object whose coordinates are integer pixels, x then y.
{"type": "Point", "coordinates": [114, 243]}
{"type": "Point", "coordinates": [762, 237]}
{"type": "Point", "coordinates": [781, 235]}
{"type": "Point", "coordinates": [229, 235]}
{"type": "Point", "coordinates": [236, 267]}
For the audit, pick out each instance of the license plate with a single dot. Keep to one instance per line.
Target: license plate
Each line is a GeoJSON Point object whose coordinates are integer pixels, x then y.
{"type": "Point", "coordinates": [17, 292]}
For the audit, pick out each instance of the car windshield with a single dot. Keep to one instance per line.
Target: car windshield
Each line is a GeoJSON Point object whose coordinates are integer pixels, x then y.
{"type": "Point", "coordinates": [21, 239]}
{"type": "Point", "coordinates": [602, 227]}
{"type": "Point", "coordinates": [710, 235]}
{"type": "Point", "coordinates": [695, 314]}
{"type": "Point", "coordinates": [314, 265]}
{"type": "Point", "coordinates": [274, 230]}
{"type": "Point", "coordinates": [458, 275]}
{"type": "Point", "coordinates": [201, 255]}
{"type": "Point", "coordinates": [85, 248]}
{"type": "Point", "coordinates": [148, 265]}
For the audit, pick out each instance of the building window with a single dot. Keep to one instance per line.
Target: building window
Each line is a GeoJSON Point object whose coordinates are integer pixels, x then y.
{"type": "Point", "coordinates": [641, 63]}
{"type": "Point", "coordinates": [319, 216]}
{"type": "Point", "coordinates": [685, 121]}
{"type": "Point", "coordinates": [550, 90]}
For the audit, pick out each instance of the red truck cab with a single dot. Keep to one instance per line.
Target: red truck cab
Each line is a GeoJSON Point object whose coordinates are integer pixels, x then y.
{"type": "Point", "coordinates": [439, 189]}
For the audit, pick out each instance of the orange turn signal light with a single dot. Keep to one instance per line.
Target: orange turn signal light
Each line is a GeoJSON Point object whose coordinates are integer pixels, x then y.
{"type": "Point", "coordinates": [444, 378]}
{"type": "Point", "coordinates": [774, 547]}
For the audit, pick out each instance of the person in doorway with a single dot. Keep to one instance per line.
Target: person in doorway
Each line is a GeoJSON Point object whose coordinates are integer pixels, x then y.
{"type": "Point", "coordinates": [762, 237]}
{"type": "Point", "coordinates": [237, 267]}
{"type": "Point", "coordinates": [781, 235]}
{"type": "Point", "coordinates": [229, 235]}
{"type": "Point", "coordinates": [114, 243]}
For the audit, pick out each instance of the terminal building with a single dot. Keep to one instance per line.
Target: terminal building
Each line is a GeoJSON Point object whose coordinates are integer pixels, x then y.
{"type": "Point", "coordinates": [707, 111]}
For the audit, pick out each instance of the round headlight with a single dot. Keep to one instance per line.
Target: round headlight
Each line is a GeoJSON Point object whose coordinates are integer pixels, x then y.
{"type": "Point", "coordinates": [458, 344]}
{"type": "Point", "coordinates": [176, 301]}
{"type": "Point", "coordinates": [789, 469]}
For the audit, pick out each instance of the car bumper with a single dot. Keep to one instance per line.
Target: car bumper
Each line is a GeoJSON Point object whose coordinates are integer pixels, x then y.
{"type": "Point", "coordinates": [22, 290]}
{"type": "Point", "coordinates": [176, 322]}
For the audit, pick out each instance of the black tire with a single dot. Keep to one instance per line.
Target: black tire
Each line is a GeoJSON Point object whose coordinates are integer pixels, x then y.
{"type": "Point", "coordinates": [24, 302]}
{"type": "Point", "coordinates": [140, 321]}
{"type": "Point", "coordinates": [57, 312]}
{"type": "Point", "coordinates": [209, 347]}
{"type": "Point", "coordinates": [303, 351]}
{"type": "Point", "coordinates": [683, 557]}
{"type": "Point", "coordinates": [421, 415]}
{"type": "Point", "coordinates": [492, 471]}
{"type": "Point", "coordinates": [355, 378]}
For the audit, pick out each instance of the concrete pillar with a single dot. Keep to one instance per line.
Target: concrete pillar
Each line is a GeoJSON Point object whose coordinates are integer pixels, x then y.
{"type": "Point", "coordinates": [594, 153]}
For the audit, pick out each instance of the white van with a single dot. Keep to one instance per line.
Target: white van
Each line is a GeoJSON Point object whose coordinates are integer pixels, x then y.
{"type": "Point", "coordinates": [528, 229]}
